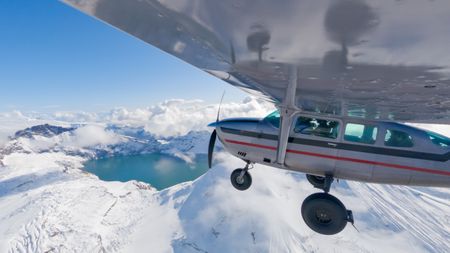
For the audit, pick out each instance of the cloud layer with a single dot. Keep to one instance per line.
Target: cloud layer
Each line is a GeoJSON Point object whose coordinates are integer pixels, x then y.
{"type": "Point", "coordinates": [169, 118]}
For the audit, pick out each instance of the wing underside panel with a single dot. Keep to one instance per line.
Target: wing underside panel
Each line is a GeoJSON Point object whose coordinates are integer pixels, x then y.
{"type": "Point", "coordinates": [376, 59]}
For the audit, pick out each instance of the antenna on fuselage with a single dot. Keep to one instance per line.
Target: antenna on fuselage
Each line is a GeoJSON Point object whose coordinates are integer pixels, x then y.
{"type": "Point", "coordinates": [212, 139]}
{"type": "Point", "coordinates": [220, 105]}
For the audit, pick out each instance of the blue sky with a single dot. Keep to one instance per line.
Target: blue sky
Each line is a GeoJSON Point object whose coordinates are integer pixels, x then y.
{"type": "Point", "coordinates": [55, 58]}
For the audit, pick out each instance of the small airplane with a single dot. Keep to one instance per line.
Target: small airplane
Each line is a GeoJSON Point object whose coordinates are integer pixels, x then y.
{"type": "Point", "coordinates": [343, 74]}
{"type": "Point", "coordinates": [330, 147]}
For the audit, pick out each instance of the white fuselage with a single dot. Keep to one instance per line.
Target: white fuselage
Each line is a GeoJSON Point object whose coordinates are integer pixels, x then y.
{"type": "Point", "coordinates": [343, 154]}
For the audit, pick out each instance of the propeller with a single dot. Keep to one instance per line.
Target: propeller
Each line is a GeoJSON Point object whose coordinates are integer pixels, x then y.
{"type": "Point", "coordinates": [212, 142]}
{"type": "Point", "coordinates": [212, 139]}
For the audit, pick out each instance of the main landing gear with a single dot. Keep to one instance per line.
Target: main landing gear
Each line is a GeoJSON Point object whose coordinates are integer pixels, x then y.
{"type": "Point", "coordinates": [322, 212]}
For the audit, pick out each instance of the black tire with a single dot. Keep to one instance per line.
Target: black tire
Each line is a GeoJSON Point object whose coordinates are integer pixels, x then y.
{"type": "Point", "coordinates": [316, 181]}
{"type": "Point", "coordinates": [241, 185]}
{"type": "Point", "coordinates": [324, 213]}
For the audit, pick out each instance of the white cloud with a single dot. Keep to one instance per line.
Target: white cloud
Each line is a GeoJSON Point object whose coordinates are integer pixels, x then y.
{"type": "Point", "coordinates": [92, 135]}
{"type": "Point", "coordinates": [172, 117]}
{"type": "Point", "coordinates": [178, 117]}
{"type": "Point", "coordinates": [169, 118]}
{"type": "Point", "coordinates": [75, 116]}
{"type": "Point", "coordinates": [164, 166]}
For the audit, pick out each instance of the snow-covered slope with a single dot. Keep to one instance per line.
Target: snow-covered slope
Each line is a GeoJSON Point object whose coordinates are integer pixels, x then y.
{"type": "Point", "coordinates": [48, 204]}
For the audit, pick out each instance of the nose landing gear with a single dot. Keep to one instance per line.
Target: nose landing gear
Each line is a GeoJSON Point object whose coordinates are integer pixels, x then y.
{"type": "Point", "coordinates": [322, 212]}
{"type": "Point", "coordinates": [241, 178]}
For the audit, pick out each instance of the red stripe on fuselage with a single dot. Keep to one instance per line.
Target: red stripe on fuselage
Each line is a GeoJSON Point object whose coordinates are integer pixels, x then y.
{"type": "Point", "coordinates": [251, 144]}
{"type": "Point", "coordinates": [348, 159]}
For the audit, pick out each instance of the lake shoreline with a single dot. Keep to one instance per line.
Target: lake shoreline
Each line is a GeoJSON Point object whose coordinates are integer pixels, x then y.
{"type": "Point", "coordinates": [160, 170]}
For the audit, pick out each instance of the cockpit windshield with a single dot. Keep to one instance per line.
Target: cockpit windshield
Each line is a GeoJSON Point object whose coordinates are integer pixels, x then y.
{"type": "Point", "coordinates": [438, 139]}
{"type": "Point", "coordinates": [273, 118]}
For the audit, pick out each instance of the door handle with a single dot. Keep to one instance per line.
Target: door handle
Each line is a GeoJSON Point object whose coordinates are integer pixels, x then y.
{"type": "Point", "coordinates": [332, 144]}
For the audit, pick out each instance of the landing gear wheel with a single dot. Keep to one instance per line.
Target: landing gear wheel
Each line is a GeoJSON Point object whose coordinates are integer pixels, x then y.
{"type": "Point", "coordinates": [316, 181]}
{"type": "Point", "coordinates": [325, 214]}
{"type": "Point", "coordinates": [241, 179]}
{"type": "Point", "coordinates": [320, 182]}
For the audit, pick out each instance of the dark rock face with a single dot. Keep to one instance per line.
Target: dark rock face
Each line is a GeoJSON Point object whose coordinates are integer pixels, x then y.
{"type": "Point", "coordinates": [43, 130]}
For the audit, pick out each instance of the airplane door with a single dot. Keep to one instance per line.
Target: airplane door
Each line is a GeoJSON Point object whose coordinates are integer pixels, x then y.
{"type": "Point", "coordinates": [357, 151]}
{"type": "Point", "coordinates": [313, 145]}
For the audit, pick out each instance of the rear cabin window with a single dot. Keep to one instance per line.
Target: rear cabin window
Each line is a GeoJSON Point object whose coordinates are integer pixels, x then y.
{"type": "Point", "coordinates": [317, 127]}
{"type": "Point", "coordinates": [395, 138]}
{"type": "Point", "coordinates": [438, 139]}
{"type": "Point", "coordinates": [360, 133]}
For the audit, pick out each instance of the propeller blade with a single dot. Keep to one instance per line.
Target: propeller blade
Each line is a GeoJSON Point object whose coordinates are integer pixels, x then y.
{"type": "Point", "coordinates": [212, 142]}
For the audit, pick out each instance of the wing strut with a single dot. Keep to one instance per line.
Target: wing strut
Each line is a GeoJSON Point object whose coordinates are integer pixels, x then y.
{"type": "Point", "coordinates": [287, 111]}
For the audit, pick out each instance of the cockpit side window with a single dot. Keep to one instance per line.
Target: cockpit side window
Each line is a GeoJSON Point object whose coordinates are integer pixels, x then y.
{"type": "Point", "coordinates": [360, 133]}
{"type": "Point", "coordinates": [438, 139]}
{"type": "Point", "coordinates": [396, 138]}
{"type": "Point", "coordinates": [273, 119]}
{"type": "Point", "coordinates": [317, 127]}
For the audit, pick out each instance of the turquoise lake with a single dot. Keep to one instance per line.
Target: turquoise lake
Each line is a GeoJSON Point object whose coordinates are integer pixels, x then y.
{"type": "Point", "coordinates": [159, 170]}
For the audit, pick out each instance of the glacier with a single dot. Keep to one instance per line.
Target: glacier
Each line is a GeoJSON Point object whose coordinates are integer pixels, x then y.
{"type": "Point", "coordinates": [49, 204]}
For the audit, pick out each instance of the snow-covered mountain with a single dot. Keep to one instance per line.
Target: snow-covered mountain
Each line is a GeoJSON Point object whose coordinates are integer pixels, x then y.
{"type": "Point", "coordinates": [90, 141]}
{"type": "Point", "coordinates": [48, 204]}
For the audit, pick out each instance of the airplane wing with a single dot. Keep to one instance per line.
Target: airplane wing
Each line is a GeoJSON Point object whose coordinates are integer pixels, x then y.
{"type": "Point", "coordinates": [378, 59]}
